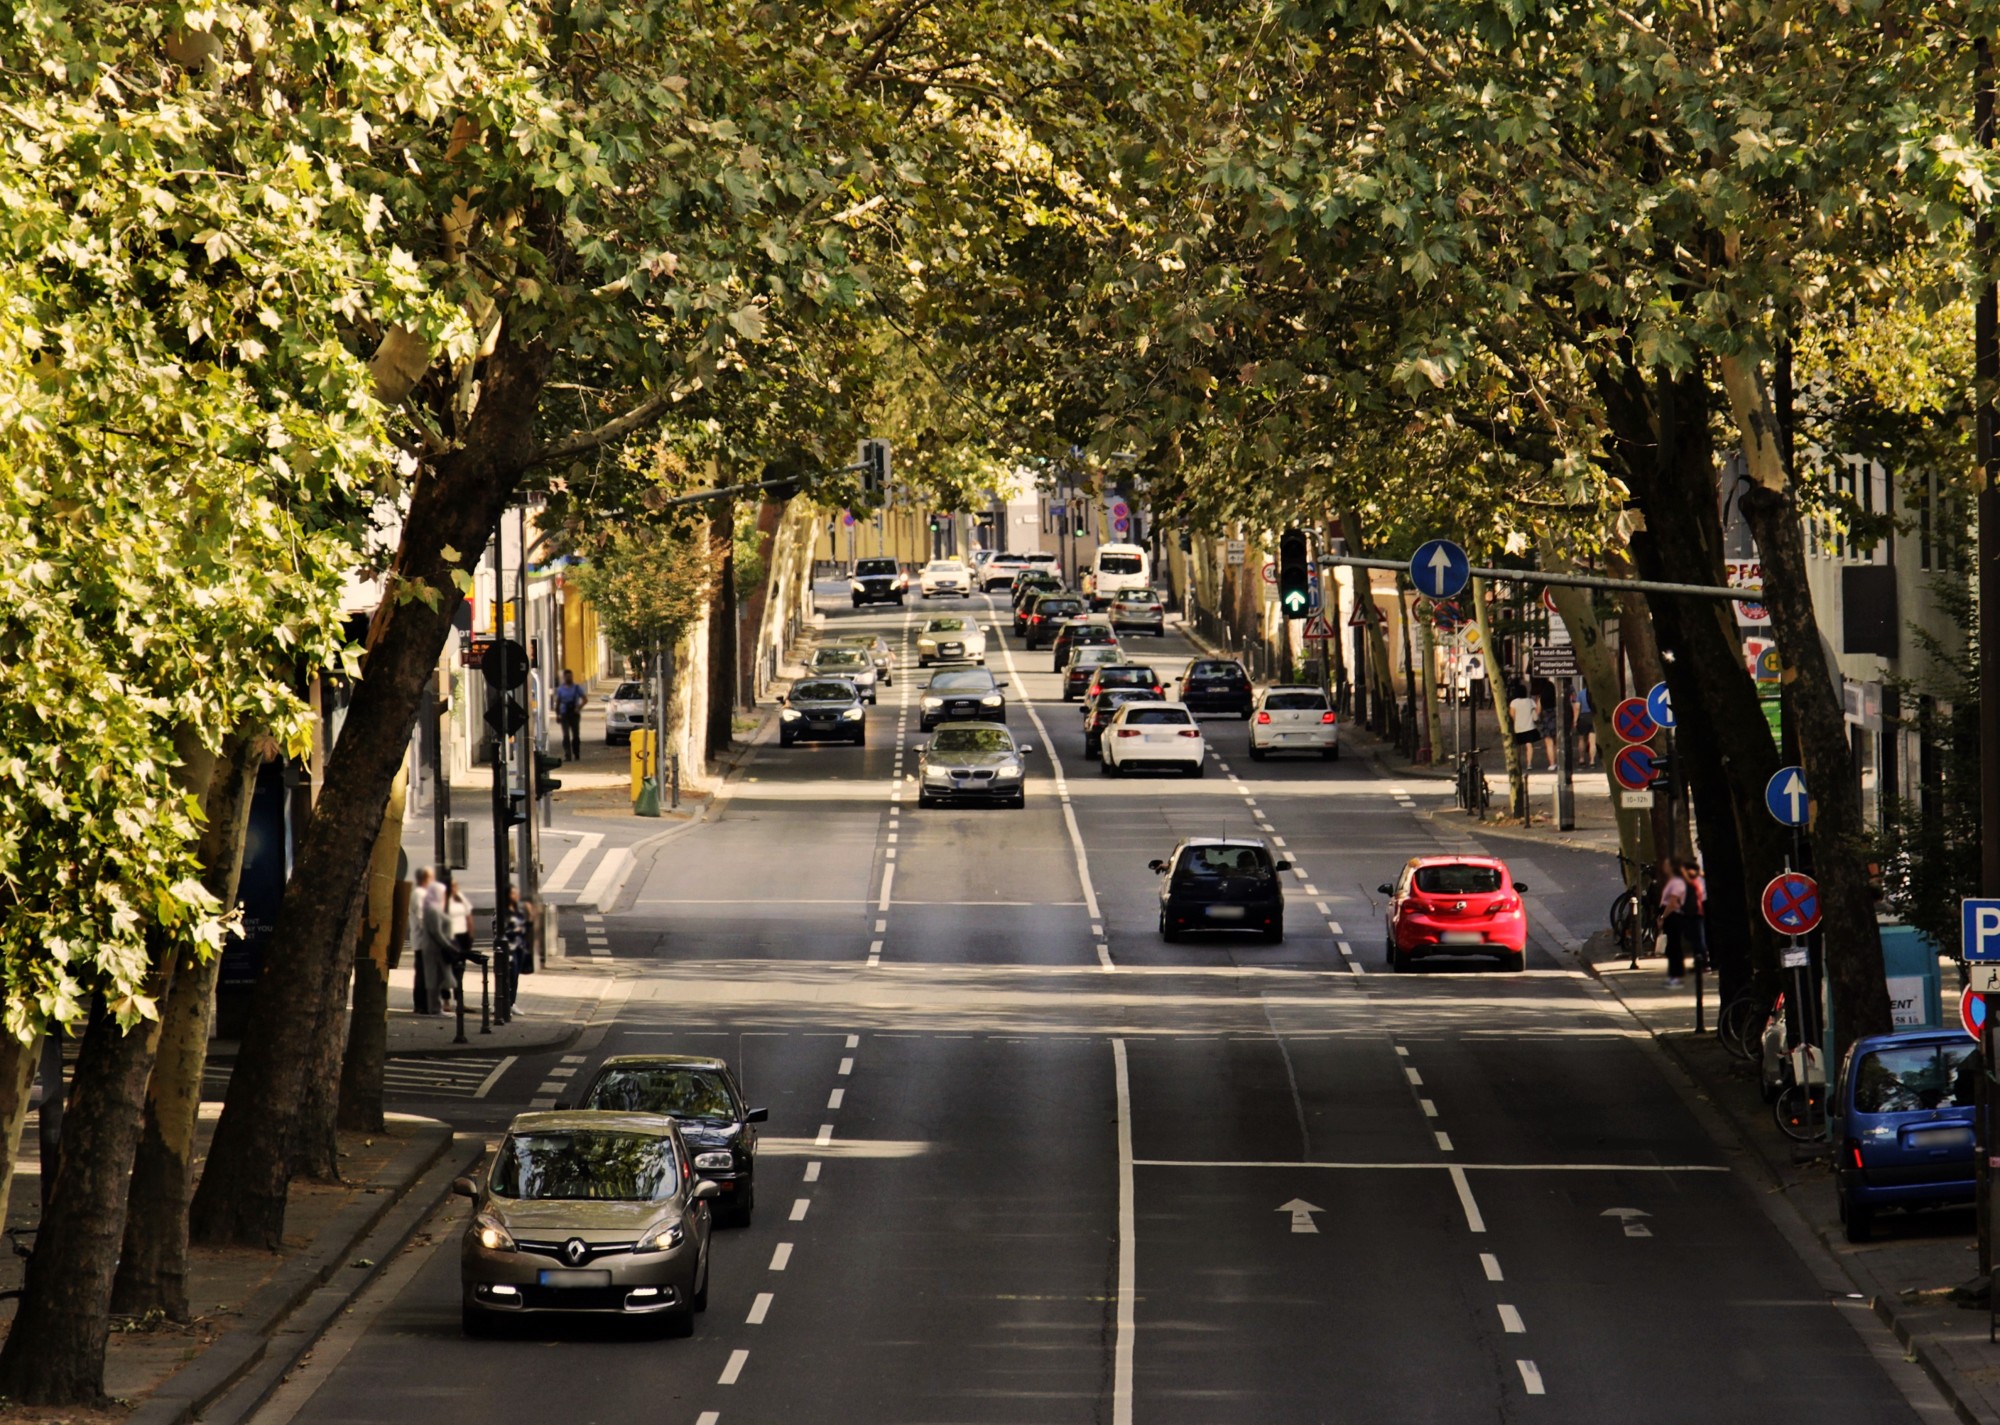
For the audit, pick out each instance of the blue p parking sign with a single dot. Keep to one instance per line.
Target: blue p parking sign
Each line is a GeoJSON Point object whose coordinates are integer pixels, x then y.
{"type": "Point", "coordinates": [1979, 930]}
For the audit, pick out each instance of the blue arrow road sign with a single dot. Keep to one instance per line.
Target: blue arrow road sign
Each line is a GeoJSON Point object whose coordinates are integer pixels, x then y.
{"type": "Point", "coordinates": [1786, 798]}
{"type": "Point", "coordinates": [1660, 703]}
{"type": "Point", "coordinates": [1439, 568]}
{"type": "Point", "coordinates": [1979, 931]}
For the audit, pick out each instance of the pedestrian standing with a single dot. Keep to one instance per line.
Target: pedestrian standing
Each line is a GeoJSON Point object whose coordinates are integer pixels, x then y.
{"type": "Point", "coordinates": [1586, 725]}
{"type": "Point", "coordinates": [1546, 720]}
{"type": "Point", "coordinates": [1522, 721]}
{"type": "Point", "coordinates": [434, 949]}
{"type": "Point", "coordinates": [1673, 903]}
{"type": "Point", "coordinates": [514, 946]}
{"type": "Point", "coordinates": [458, 922]}
{"type": "Point", "coordinates": [424, 987]}
{"type": "Point", "coordinates": [1694, 913]}
{"type": "Point", "coordinates": [570, 698]}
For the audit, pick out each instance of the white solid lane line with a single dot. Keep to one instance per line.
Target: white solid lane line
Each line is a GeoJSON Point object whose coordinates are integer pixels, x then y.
{"type": "Point", "coordinates": [1128, 1275]}
{"type": "Point", "coordinates": [1491, 1264]}
{"type": "Point", "coordinates": [737, 1361]}
{"type": "Point", "coordinates": [1473, 1220]}
{"type": "Point", "coordinates": [1511, 1322]}
{"type": "Point", "coordinates": [1531, 1377]}
{"type": "Point", "coordinates": [759, 1309]}
{"type": "Point", "coordinates": [781, 1257]}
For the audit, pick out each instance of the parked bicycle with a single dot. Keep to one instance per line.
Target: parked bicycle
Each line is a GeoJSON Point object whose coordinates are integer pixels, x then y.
{"type": "Point", "coordinates": [1740, 1026]}
{"type": "Point", "coordinates": [1474, 795]}
{"type": "Point", "coordinates": [1632, 913]}
{"type": "Point", "coordinates": [1801, 1107]}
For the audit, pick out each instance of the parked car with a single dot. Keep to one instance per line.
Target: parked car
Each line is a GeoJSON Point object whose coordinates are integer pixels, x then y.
{"type": "Point", "coordinates": [823, 707]}
{"type": "Point", "coordinates": [850, 663]}
{"type": "Point", "coordinates": [1217, 685]}
{"type": "Point", "coordinates": [716, 1120]}
{"type": "Point", "coordinates": [1455, 905]}
{"type": "Point", "coordinates": [962, 693]}
{"type": "Point", "coordinates": [1083, 664]}
{"type": "Point", "coordinates": [1093, 630]}
{"type": "Point", "coordinates": [1213, 883]}
{"type": "Point", "coordinates": [878, 650]}
{"type": "Point", "coordinates": [878, 581]}
{"type": "Point", "coordinates": [951, 640]}
{"type": "Point", "coordinates": [973, 761]}
{"type": "Point", "coordinates": [1903, 1116]}
{"type": "Point", "coordinates": [1152, 735]}
{"type": "Point", "coordinates": [624, 713]}
{"type": "Point", "coordinates": [1098, 710]}
{"type": "Point", "coordinates": [590, 1213]}
{"type": "Point", "coordinates": [1044, 616]}
{"type": "Point", "coordinates": [1142, 610]}
{"type": "Point", "coordinates": [942, 578]}
{"type": "Point", "coordinates": [1289, 719]}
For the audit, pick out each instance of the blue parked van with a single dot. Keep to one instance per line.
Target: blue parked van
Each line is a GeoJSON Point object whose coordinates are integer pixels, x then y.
{"type": "Point", "coordinates": [1903, 1123]}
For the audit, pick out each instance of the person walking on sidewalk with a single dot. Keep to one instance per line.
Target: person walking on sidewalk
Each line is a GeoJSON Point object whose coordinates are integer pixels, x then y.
{"type": "Point", "coordinates": [1521, 722]}
{"type": "Point", "coordinates": [1673, 907]}
{"type": "Point", "coordinates": [1585, 726]}
{"type": "Point", "coordinates": [1694, 913]}
{"type": "Point", "coordinates": [423, 984]}
{"type": "Point", "coordinates": [570, 699]}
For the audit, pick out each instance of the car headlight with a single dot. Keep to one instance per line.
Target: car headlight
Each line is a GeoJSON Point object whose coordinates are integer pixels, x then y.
{"type": "Point", "coordinates": [937, 775]}
{"type": "Point", "coordinates": [852, 715]}
{"type": "Point", "coordinates": [857, 586]}
{"type": "Point", "coordinates": [992, 700]}
{"type": "Point", "coordinates": [933, 702]}
{"type": "Point", "coordinates": [1013, 769]}
{"type": "Point", "coordinates": [492, 1236]}
{"type": "Point", "coordinates": [789, 715]}
{"type": "Point", "coordinates": [662, 1238]}
{"type": "Point", "coordinates": [927, 643]}
{"type": "Point", "coordinates": [722, 1161]}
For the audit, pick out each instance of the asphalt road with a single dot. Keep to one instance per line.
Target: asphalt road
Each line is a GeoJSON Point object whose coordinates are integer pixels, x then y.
{"type": "Point", "coordinates": [1026, 1162]}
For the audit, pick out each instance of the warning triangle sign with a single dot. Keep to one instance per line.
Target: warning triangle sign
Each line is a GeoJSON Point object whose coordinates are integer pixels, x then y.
{"type": "Point", "coordinates": [1357, 619]}
{"type": "Point", "coordinates": [1317, 630]}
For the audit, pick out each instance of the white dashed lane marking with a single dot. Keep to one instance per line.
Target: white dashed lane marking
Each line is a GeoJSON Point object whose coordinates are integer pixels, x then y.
{"type": "Point", "coordinates": [731, 1372]}
{"type": "Point", "coordinates": [759, 1309]}
{"type": "Point", "coordinates": [781, 1256]}
{"type": "Point", "coordinates": [1511, 1322]}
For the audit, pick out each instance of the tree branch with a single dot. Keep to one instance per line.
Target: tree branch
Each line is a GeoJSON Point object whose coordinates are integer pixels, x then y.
{"type": "Point", "coordinates": [646, 413]}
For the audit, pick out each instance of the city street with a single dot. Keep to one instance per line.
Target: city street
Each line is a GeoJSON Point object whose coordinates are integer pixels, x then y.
{"type": "Point", "coordinates": [1028, 1162]}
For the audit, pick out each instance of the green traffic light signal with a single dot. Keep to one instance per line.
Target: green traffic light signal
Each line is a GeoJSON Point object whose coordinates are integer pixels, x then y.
{"type": "Point", "coordinates": [1294, 574]}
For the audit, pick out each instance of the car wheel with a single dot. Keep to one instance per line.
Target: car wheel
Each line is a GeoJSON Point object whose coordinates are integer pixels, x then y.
{"type": "Point", "coordinates": [860, 739]}
{"type": "Point", "coordinates": [785, 739]}
{"type": "Point", "coordinates": [700, 1299]}
{"type": "Point", "coordinates": [899, 601]}
{"type": "Point", "coordinates": [924, 800]}
{"type": "Point", "coordinates": [1243, 716]}
{"type": "Point", "coordinates": [1332, 754]}
{"type": "Point", "coordinates": [1401, 962]}
{"type": "Point", "coordinates": [857, 603]}
{"type": "Point", "coordinates": [1275, 935]}
{"type": "Point", "coordinates": [1257, 754]}
{"type": "Point", "coordinates": [923, 662]}
{"type": "Point", "coordinates": [1167, 931]}
{"type": "Point", "coordinates": [1107, 767]}
{"type": "Point", "coordinates": [1196, 769]}
{"type": "Point", "coordinates": [1020, 801]}
{"type": "Point", "coordinates": [1858, 1220]}
{"type": "Point", "coordinates": [476, 1323]}
{"type": "Point", "coordinates": [677, 1322]}
{"type": "Point", "coordinates": [1068, 696]}
{"type": "Point", "coordinates": [1092, 753]}
{"type": "Point", "coordinates": [1515, 960]}
{"type": "Point", "coordinates": [874, 699]}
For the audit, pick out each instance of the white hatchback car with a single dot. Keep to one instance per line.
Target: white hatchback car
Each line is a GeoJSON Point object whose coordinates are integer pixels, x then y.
{"type": "Point", "coordinates": [1153, 734]}
{"type": "Point", "coordinates": [1293, 719]}
{"type": "Point", "coordinates": [951, 640]}
{"type": "Point", "coordinates": [624, 713]}
{"type": "Point", "coordinates": [945, 576]}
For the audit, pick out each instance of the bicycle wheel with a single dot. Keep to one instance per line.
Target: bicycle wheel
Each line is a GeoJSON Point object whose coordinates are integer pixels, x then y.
{"type": "Point", "coordinates": [1801, 1112]}
{"type": "Point", "coordinates": [1740, 1025]}
{"type": "Point", "coordinates": [1623, 909]}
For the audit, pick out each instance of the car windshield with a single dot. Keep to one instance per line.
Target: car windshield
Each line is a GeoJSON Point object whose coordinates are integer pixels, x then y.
{"type": "Point", "coordinates": [1161, 716]}
{"type": "Point", "coordinates": [945, 625]}
{"type": "Point", "coordinates": [628, 693]}
{"type": "Point", "coordinates": [1296, 702]}
{"type": "Point", "coordinates": [823, 691]}
{"type": "Point", "coordinates": [1226, 861]}
{"type": "Point", "coordinates": [971, 739]}
{"type": "Point", "coordinates": [1458, 880]}
{"type": "Point", "coordinates": [1916, 1077]}
{"type": "Point", "coordinates": [875, 566]}
{"type": "Point", "coordinates": [839, 658]}
{"type": "Point", "coordinates": [672, 1089]}
{"type": "Point", "coordinates": [592, 1165]}
{"type": "Point", "coordinates": [1120, 564]}
{"type": "Point", "coordinates": [970, 681]}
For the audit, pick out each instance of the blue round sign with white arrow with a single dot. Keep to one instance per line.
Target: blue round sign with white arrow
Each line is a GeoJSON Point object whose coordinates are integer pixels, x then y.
{"type": "Point", "coordinates": [1439, 568]}
{"type": "Point", "coordinates": [1660, 703]}
{"type": "Point", "coordinates": [1786, 798]}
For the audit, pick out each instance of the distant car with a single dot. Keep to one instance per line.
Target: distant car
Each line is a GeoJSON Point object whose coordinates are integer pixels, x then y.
{"type": "Point", "coordinates": [1125, 675]}
{"type": "Point", "coordinates": [1098, 710]}
{"type": "Point", "coordinates": [878, 650]}
{"type": "Point", "coordinates": [945, 577]}
{"type": "Point", "coordinates": [973, 761]}
{"type": "Point", "coordinates": [1217, 685]}
{"type": "Point", "coordinates": [587, 1212]}
{"type": "Point", "coordinates": [624, 713]}
{"type": "Point", "coordinates": [1043, 617]}
{"type": "Point", "coordinates": [878, 581]}
{"type": "Point", "coordinates": [1902, 1116]}
{"type": "Point", "coordinates": [1215, 883]}
{"type": "Point", "coordinates": [1029, 584]}
{"type": "Point", "coordinates": [850, 663]}
{"type": "Point", "coordinates": [1141, 736]}
{"type": "Point", "coordinates": [716, 1120]}
{"type": "Point", "coordinates": [1455, 905]}
{"type": "Point", "coordinates": [1288, 719]}
{"type": "Point", "coordinates": [823, 707]}
{"type": "Point", "coordinates": [999, 570]}
{"type": "Point", "coordinates": [1087, 632]}
{"type": "Point", "coordinates": [1142, 610]}
{"type": "Point", "coordinates": [1083, 665]}
{"type": "Point", "coordinates": [951, 640]}
{"type": "Point", "coordinates": [962, 694]}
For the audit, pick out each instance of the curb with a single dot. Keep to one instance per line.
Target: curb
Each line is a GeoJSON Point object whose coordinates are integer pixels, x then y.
{"type": "Point", "coordinates": [306, 1292]}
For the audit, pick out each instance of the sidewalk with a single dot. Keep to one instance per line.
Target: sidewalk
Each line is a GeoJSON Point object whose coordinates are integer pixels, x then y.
{"type": "Point", "coordinates": [1905, 1275]}
{"type": "Point", "coordinates": [553, 1006]}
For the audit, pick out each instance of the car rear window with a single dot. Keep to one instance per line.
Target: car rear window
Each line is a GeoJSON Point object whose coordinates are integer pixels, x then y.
{"type": "Point", "coordinates": [1226, 861]}
{"type": "Point", "coordinates": [1121, 564]}
{"type": "Point", "coordinates": [1160, 717]}
{"type": "Point", "coordinates": [1296, 702]}
{"type": "Point", "coordinates": [1128, 673]}
{"type": "Point", "coordinates": [1058, 606]}
{"type": "Point", "coordinates": [1217, 671]}
{"type": "Point", "coordinates": [1090, 633]}
{"type": "Point", "coordinates": [1458, 880]}
{"type": "Point", "coordinates": [839, 658]}
{"type": "Point", "coordinates": [1916, 1077]}
{"type": "Point", "coordinates": [1140, 596]}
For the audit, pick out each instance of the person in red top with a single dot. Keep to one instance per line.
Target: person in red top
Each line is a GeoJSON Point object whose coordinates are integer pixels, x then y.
{"type": "Point", "coordinates": [1694, 913]}
{"type": "Point", "coordinates": [1673, 902]}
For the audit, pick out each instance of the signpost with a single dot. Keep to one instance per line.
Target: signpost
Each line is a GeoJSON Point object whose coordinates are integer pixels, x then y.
{"type": "Point", "coordinates": [1440, 568]}
{"type": "Point", "coordinates": [1972, 1012]}
{"type": "Point", "coordinates": [1786, 798]}
{"type": "Point", "coordinates": [1557, 660]}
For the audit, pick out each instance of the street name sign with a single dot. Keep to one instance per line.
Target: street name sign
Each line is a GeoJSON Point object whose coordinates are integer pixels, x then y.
{"type": "Point", "coordinates": [1556, 660]}
{"type": "Point", "coordinates": [1791, 903]}
{"type": "Point", "coordinates": [1439, 568]}
{"type": "Point", "coordinates": [1979, 930]}
{"type": "Point", "coordinates": [1786, 798]}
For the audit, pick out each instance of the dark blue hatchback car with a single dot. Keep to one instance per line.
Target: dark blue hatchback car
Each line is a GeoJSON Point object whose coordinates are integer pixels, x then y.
{"type": "Point", "coordinates": [1903, 1123]}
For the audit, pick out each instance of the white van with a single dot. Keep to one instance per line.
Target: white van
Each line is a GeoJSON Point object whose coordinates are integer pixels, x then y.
{"type": "Point", "coordinates": [1118, 567]}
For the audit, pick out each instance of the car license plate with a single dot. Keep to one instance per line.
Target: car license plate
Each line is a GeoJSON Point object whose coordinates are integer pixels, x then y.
{"type": "Point", "coordinates": [951, 648]}
{"type": "Point", "coordinates": [563, 1276]}
{"type": "Point", "coordinates": [1225, 912]}
{"type": "Point", "coordinates": [1941, 1138]}
{"type": "Point", "coordinates": [1462, 937]}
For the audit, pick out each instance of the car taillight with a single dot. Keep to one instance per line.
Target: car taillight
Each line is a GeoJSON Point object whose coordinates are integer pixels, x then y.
{"type": "Point", "coordinates": [1505, 903]}
{"type": "Point", "coordinates": [1328, 717]}
{"type": "Point", "coordinates": [1034, 618]}
{"type": "Point", "coordinates": [1263, 717]}
{"type": "Point", "coordinates": [1189, 732]}
{"type": "Point", "coordinates": [1158, 691]}
{"type": "Point", "coordinates": [1128, 732]}
{"type": "Point", "coordinates": [1096, 688]}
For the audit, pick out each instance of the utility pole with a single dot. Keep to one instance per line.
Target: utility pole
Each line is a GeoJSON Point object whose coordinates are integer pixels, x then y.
{"type": "Point", "coordinates": [1986, 375]}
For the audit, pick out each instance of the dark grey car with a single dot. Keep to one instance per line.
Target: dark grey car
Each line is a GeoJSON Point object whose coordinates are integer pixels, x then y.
{"type": "Point", "coordinates": [823, 707]}
{"type": "Point", "coordinates": [962, 694]}
{"type": "Point", "coordinates": [973, 761]}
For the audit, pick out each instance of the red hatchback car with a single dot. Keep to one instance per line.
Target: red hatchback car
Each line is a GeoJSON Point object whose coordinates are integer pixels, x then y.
{"type": "Point", "coordinates": [1456, 905]}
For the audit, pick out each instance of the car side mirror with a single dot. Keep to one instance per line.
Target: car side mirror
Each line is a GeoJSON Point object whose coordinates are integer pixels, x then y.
{"type": "Point", "coordinates": [1158, 868]}
{"type": "Point", "coordinates": [705, 1191]}
{"type": "Point", "coordinates": [1027, 749]}
{"type": "Point", "coordinates": [1520, 886]}
{"type": "Point", "coordinates": [465, 1187]}
{"type": "Point", "coordinates": [757, 1115]}
{"type": "Point", "coordinates": [1386, 889]}
{"type": "Point", "coordinates": [1282, 866]}
{"type": "Point", "coordinates": [999, 685]}
{"type": "Point", "coordinates": [784, 697]}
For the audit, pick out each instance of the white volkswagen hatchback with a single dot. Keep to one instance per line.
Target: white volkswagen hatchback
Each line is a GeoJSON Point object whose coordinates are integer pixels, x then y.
{"type": "Point", "coordinates": [1152, 734]}
{"type": "Point", "coordinates": [1286, 719]}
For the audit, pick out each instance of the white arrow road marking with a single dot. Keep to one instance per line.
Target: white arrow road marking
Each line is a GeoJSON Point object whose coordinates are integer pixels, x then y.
{"type": "Point", "coordinates": [1302, 1212]}
{"type": "Point", "coordinates": [1626, 1216]}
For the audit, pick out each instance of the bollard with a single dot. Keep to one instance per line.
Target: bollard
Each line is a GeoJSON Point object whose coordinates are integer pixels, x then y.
{"type": "Point", "coordinates": [486, 992]}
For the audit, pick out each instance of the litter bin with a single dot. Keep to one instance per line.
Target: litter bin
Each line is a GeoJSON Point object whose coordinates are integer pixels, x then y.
{"type": "Point", "coordinates": [1915, 984]}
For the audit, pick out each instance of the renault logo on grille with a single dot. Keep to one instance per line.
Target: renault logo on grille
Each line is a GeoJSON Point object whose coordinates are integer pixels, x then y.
{"type": "Point", "coordinates": [574, 1251]}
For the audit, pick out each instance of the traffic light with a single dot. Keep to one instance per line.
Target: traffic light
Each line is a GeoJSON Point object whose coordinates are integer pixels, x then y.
{"type": "Point", "coordinates": [1082, 523]}
{"type": "Point", "coordinates": [874, 471]}
{"type": "Point", "coordinates": [1294, 574]}
{"type": "Point", "coordinates": [517, 809]}
{"type": "Point", "coordinates": [936, 524]}
{"type": "Point", "coordinates": [544, 783]}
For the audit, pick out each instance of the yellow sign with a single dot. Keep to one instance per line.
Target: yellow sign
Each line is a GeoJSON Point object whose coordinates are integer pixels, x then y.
{"type": "Point", "coordinates": [1473, 637]}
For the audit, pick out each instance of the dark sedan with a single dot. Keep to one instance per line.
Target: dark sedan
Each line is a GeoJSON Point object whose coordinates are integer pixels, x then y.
{"type": "Point", "coordinates": [1217, 685]}
{"type": "Point", "coordinates": [823, 707]}
{"type": "Point", "coordinates": [718, 1125]}
{"type": "Point", "coordinates": [1042, 618]}
{"type": "Point", "coordinates": [1097, 711]}
{"type": "Point", "coordinates": [973, 762]}
{"type": "Point", "coordinates": [1092, 631]}
{"type": "Point", "coordinates": [1220, 883]}
{"type": "Point", "coordinates": [963, 694]}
